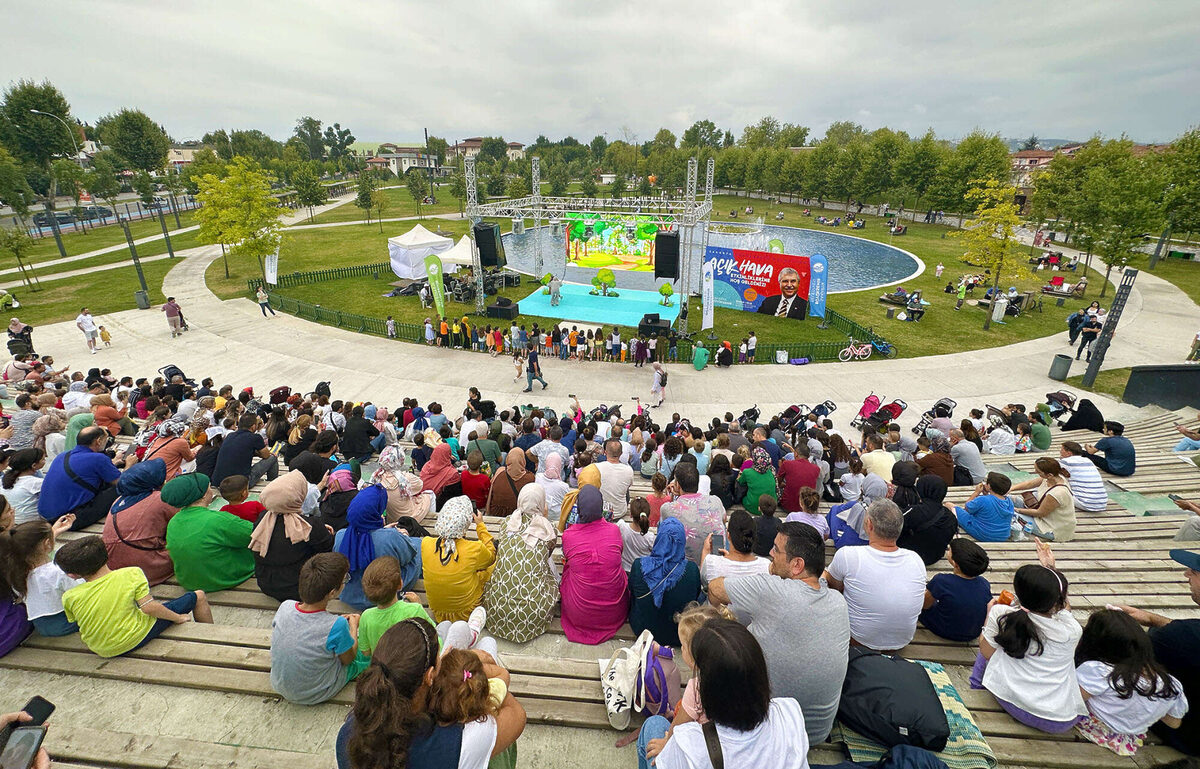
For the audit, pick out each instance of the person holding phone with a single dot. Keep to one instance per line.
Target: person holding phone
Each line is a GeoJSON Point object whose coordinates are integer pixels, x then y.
{"type": "Point", "coordinates": [732, 554]}
{"type": "Point", "coordinates": [23, 747]}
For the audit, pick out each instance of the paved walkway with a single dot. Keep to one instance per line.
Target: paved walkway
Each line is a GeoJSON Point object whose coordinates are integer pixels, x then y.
{"type": "Point", "coordinates": [233, 343]}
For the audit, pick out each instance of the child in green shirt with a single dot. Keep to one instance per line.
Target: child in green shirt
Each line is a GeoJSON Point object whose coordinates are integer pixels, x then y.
{"type": "Point", "coordinates": [113, 609]}
{"type": "Point", "coordinates": [380, 583]}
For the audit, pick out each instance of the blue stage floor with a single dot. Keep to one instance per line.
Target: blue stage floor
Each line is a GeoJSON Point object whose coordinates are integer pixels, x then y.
{"type": "Point", "coordinates": [577, 304]}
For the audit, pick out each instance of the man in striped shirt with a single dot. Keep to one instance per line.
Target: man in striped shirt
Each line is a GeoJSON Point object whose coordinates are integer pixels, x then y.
{"type": "Point", "coordinates": [1085, 482]}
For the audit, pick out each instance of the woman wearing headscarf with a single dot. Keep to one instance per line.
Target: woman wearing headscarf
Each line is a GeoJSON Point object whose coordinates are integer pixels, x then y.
{"type": "Point", "coordinates": [340, 490]}
{"type": "Point", "coordinates": [1000, 438]}
{"type": "Point", "coordinates": [904, 480]}
{"type": "Point", "coordinates": [1085, 416]}
{"type": "Point", "coordinates": [928, 525]}
{"type": "Point", "coordinates": [76, 423]}
{"type": "Point", "coordinates": [938, 461]}
{"type": "Point", "coordinates": [48, 434]}
{"type": "Point", "coordinates": [106, 416]}
{"type": "Point", "coordinates": [171, 446]}
{"type": "Point", "coordinates": [383, 423]}
{"type": "Point", "coordinates": [594, 590]}
{"type": "Point", "coordinates": [135, 532]}
{"type": "Point", "coordinates": [521, 594]}
{"type": "Point", "coordinates": [283, 540]}
{"type": "Point", "coordinates": [440, 477]}
{"type": "Point", "coordinates": [589, 475]}
{"type": "Point", "coordinates": [406, 492]}
{"type": "Point", "coordinates": [209, 548]}
{"type": "Point", "coordinates": [456, 568]}
{"type": "Point", "coordinates": [846, 521]}
{"type": "Point", "coordinates": [507, 484]}
{"type": "Point", "coordinates": [489, 446]}
{"type": "Point", "coordinates": [366, 538]}
{"type": "Point", "coordinates": [757, 480]}
{"type": "Point", "coordinates": [662, 584]}
{"type": "Point", "coordinates": [419, 423]}
{"type": "Point", "coordinates": [551, 482]}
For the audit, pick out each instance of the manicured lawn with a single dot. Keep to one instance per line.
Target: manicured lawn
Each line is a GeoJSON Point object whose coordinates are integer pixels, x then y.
{"type": "Point", "coordinates": [103, 292]}
{"type": "Point", "coordinates": [399, 203]}
{"type": "Point", "coordinates": [102, 237]}
{"type": "Point", "coordinates": [1183, 274]}
{"type": "Point", "coordinates": [1110, 382]}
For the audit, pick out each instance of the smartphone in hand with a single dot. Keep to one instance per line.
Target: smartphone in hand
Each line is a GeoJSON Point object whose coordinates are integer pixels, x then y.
{"type": "Point", "coordinates": [718, 542]}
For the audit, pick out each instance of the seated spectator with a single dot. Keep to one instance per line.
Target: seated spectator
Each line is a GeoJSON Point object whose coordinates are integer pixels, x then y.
{"type": "Point", "coordinates": [1126, 690]}
{"type": "Point", "coordinates": [662, 584]}
{"type": "Point", "coordinates": [49, 434]}
{"type": "Point", "coordinates": [1087, 487]}
{"type": "Point", "coordinates": [800, 621]}
{"type": "Point", "coordinates": [957, 604]}
{"type": "Point", "coordinates": [365, 538]}
{"type": "Point", "coordinates": [594, 588]}
{"type": "Point", "coordinates": [738, 558]}
{"type": "Point", "coordinates": [1039, 432]}
{"type": "Point", "coordinates": [636, 538]}
{"type": "Point", "coordinates": [106, 417]}
{"type": "Point", "coordinates": [23, 483]}
{"type": "Point", "coordinates": [507, 484]}
{"type": "Point", "coordinates": [283, 540]}
{"type": "Point", "coordinates": [382, 582]}
{"type": "Point", "coordinates": [794, 475]}
{"type": "Point", "coordinates": [1024, 441]}
{"type": "Point", "coordinates": [616, 478]}
{"type": "Point", "coordinates": [475, 484]}
{"type": "Point", "coordinates": [700, 514]}
{"type": "Point", "coordinates": [1000, 438]}
{"type": "Point", "coordinates": [82, 481]}
{"type": "Point", "coordinates": [589, 475]}
{"type": "Point", "coordinates": [357, 436]}
{"type": "Point", "coordinates": [171, 446]}
{"type": "Point", "coordinates": [209, 549]}
{"type": "Point", "coordinates": [847, 521]}
{"type": "Point", "coordinates": [235, 490]}
{"type": "Point", "coordinates": [113, 609]}
{"type": "Point", "coordinates": [884, 585]}
{"type": "Point", "coordinates": [244, 452]}
{"type": "Point", "coordinates": [757, 480]}
{"type": "Point", "coordinates": [751, 728]}
{"type": "Point", "coordinates": [810, 512]}
{"type": "Point", "coordinates": [402, 673]}
{"type": "Point", "coordinates": [1027, 652]}
{"type": "Point", "coordinates": [1177, 646]}
{"type": "Point", "coordinates": [928, 525]}
{"type": "Point", "coordinates": [966, 455]}
{"type": "Point", "coordinates": [552, 483]}
{"type": "Point", "coordinates": [1047, 501]}
{"type": "Point", "coordinates": [1190, 440]}
{"type": "Point", "coordinates": [339, 492]}
{"type": "Point", "coordinates": [766, 526]}
{"type": "Point", "coordinates": [300, 438]}
{"type": "Point", "coordinates": [135, 531]}
{"type": "Point", "coordinates": [407, 494]}
{"type": "Point", "coordinates": [1084, 416]}
{"type": "Point", "coordinates": [876, 459]}
{"type": "Point", "coordinates": [314, 654]}
{"type": "Point", "coordinates": [455, 568]}
{"type": "Point", "coordinates": [988, 514]}
{"type": "Point", "coordinates": [721, 482]}
{"type": "Point", "coordinates": [523, 589]}
{"type": "Point", "coordinates": [1114, 452]}
{"type": "Point", "coordinates": [27, 550]}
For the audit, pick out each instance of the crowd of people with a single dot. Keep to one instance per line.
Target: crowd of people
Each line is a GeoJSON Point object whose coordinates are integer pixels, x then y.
{"type": "Point", "coordinates": [725, 558]}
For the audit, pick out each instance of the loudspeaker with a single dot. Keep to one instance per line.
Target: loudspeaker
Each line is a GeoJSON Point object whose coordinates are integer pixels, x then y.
{"type": "Point", "coordinates": [650, 317]}
{"type": "Point", "coordinates": [496, 311]}
{"type": "Point", "coordinates": [504, 301]}
{"type": "Point", "coordinates": [491, 247]}
{"type": "Point", "coordinates": [666, 255]}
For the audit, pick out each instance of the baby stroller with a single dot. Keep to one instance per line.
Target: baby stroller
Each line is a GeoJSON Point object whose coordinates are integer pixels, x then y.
{"type": "Point", "coordinates": [870, 406]}
{"type": "Point", "coordinates": [1060, 402]}
{"type": "Point", "coordinates": [280, 395]}
{"type": "Point", "coordinates": [944, 408]}
{"type": "Point", "coordinates": [170, 371]}
{"type": "Point", "coordinates": [884, 414]}
{"type": "Point", "coordinates": [750, 416]}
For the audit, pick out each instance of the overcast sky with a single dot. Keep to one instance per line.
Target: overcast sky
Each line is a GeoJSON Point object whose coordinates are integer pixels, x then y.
{"type": "Point", "coordinates": [387, 70]}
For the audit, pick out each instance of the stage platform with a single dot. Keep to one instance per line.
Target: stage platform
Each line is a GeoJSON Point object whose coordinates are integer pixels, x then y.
{"type": "Point", "coordinates": [577, 303]}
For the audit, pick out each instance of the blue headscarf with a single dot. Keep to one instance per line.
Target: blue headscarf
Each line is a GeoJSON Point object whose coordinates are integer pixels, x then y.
{"type": "Point", "coordinates": [419, 423]}
{"type": "Point", "coordinates": [369, 412]}
{"type": "Point", "coordinates": [590, 504]}
{"type": "Point", "coordinates": [139, 482]}
{"type": "Point", "coordinates": [666, 564]}
{"type": "Point", "coordinates": [363, 516]}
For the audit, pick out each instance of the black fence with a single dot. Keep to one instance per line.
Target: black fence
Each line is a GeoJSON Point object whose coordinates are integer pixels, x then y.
{"type": "Point", "coordinates": [130, 210]}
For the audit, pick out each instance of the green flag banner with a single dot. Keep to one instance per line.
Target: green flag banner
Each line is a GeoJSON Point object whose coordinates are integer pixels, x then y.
{"type": "Point", "coordinates": [433, 270]}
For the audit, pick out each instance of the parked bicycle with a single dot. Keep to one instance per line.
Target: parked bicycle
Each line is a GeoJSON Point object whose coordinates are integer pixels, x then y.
{"type": "Point", "coordinates": [855, 351]}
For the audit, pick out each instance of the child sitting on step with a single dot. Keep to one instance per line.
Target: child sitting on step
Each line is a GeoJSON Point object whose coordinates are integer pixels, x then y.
{"type": "Point", "coordinates": [235, 490]}
{"type": "Point", "coordinates": [26, 550]}
{"type": "Point", "coordinates": [381, 584]}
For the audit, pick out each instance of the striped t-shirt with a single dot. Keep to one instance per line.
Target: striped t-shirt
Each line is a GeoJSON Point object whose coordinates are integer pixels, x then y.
{"type": "Point", "coordinates": [1086, 484]}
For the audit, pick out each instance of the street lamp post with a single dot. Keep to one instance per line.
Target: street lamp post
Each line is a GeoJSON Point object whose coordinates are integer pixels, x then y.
{"type": "Point", "coordinates": [50, 199]}
{"type": "Point", "coordinates": [142, 297]}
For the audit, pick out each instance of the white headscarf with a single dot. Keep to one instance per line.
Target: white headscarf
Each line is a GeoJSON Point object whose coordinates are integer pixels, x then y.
{"type": "Point", "coordinates": [390, 473]}
{"type": "Point", "coordinates": [873, 488]}
{"type": "Point", "coordinates": [452, 522]}
{"type": "Point", "coordinates": [532, 502]}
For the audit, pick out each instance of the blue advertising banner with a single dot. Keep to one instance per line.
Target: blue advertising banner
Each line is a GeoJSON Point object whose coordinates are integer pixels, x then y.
{"type": "Point", "coordinates": [818, 285]}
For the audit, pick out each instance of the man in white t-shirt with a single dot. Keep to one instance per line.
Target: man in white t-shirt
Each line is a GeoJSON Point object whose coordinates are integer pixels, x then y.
{"type": "Point", "coordinates": [467, 432]}
{"type": "Point", "coordinates": [87, 324]}
{"type": "Point", "coordinates": [616, 478]}
{"type": "Point", "coordinates": [1085, 482]}
{"type": "Point", "coordinates": [884, 585]}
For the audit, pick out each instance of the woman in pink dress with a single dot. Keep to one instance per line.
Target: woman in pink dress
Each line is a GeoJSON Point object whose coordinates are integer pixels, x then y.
{"type": "Point", "coordinates": [595, 590]}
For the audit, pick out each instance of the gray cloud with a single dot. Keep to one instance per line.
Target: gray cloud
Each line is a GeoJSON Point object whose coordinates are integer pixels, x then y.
{"type": "Point", "coordinates": [389, 69]}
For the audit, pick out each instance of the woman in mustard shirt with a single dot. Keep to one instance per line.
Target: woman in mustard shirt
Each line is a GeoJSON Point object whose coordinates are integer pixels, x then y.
{"type": "Point", "coordinates": [456, 569]}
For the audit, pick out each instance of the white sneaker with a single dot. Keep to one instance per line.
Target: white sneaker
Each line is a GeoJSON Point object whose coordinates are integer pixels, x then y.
{"type": "Point", "coordinates": [476, 622]}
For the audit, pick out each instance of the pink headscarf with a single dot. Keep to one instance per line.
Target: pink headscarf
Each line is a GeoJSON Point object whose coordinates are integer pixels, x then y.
{"type": "Point", "coordinates": [554, 466]}
{"type": "Point", "coordinates": [381, 418]}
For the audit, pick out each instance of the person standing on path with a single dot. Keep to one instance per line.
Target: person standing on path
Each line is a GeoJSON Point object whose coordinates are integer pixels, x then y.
{"type": "Point", "coordinates": [1087, 335]}
{"type": "Point", "coordinates": [1075, 325]}
{"type": "Point", "coordinates": [87, 324]}
{"type": "Point", "coordinates": [264, 301]}
{"type": "Point", "coordinates": [533, 369]}
{"type": "Point", "coordinates": [174, 316]}
{"type": "Point", "coordinates": [658, 389]}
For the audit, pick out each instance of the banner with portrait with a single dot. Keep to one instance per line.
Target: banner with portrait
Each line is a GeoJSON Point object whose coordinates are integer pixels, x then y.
{"type": "Point", "coordinates": [763, 282]}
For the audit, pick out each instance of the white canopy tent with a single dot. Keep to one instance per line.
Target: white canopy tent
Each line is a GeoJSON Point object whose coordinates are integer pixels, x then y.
{"type": "Point", "coordinates": [461, 254]}
{"type": "Point", "coordinates": [407, 252]}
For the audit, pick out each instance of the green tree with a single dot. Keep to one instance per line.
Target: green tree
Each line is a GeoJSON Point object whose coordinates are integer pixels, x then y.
{"type": "Point", "coordinates": [458, 188]}
{"type": "Point", "coordinates": [1129, 193]}
{"type": "Point", "coordinates": [141, 143]}
{"type": "Point", "coordinates": [663, 140]}
{"type": "Point", "coordinates": [174, 183]}
{"type": "Point", "coordinates": [762, 134]}
{"type": "Point", "coordinates": [517, 187]}
{"type": "Point", "coordinates": [338, 140]}
{"type": "Point", "coordinates": [598, 146]}
{"type": "Point", "coordinates": [990, 237]}
{"type": "Point", "coordinates": [437, 147]}
{"type": "Point", "coordinates": [379, 204]}
{"type": "Point", "coordinates": [795, 170]}
{"type": "Point", "coordinates": [588, 186]}
{"type": "Point", "coordinates": [918, 163]}
{"type": "Point", "coordinates": [842, 132]}
{"type": "Point", "coordinates": [979, 156]}
{"type": "Point", "coordinates": [494, 148]}
{"type": "Point", "coordinates": [559, 180]}
{"type": "Point", "coordinates": [308, 131]}
{"type": "Point", "coordinates": [102, 181]}
{"type": "Point", "coordinates": [702, 133]}
{"type": "Point", "coordinates": [16, 241]}
{"type": "Point", "coordinates": [644, 188]}
{"type": "Point", "coordinates": [240, 211]}
{"type": "Point", "coordinates": [309, 190]}
{"type": "Point", "coordinates": [15, 191]}
{"type": "Point", "coordinates": [143, 185]}
{"type": "Point", "coordinates": [204, 163]}
{"type": "Point", "coordinates": [69, 177]}
{"type": "Point", "coordinates": [843, 177]}
{"type": "Point", "coordinates": [418, 187]}
{"type": "Point", "coordinates": [1180, 169]}
{"type": "Point", "coordinates": [366, 185]}
{"type": "Point", "coordinates": [1031, 143]}
{"type": "Point", "coordinates": [820, 165]}
{"type": "Point", "coordinates": [618, 187]}
{"type": "Point", "coordinates": [495, 182]}
{"type": "Point", "coordinates": [791, 135]}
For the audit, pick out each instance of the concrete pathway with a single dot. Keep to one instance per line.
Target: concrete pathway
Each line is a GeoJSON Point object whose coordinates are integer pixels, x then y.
{"type": "Point", "coordinates": [233, 343]}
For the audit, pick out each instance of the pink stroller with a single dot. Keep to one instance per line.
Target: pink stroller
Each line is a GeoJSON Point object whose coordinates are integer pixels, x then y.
{"type": "Point", "coordinates": [869, 407]}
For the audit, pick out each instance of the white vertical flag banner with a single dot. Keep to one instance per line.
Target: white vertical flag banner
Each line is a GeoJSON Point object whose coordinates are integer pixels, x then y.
{"type": "Point", "coordinates": [706, 295]}
{"type": "Point", "coordinates": [271, 268]}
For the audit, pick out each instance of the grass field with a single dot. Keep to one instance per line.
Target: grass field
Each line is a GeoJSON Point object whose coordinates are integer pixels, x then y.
{"type": "Point", "coordinates": [102, 237]}
{"type": "Point", "coordinates": [1183, 274]}
{"type": "Point", "coordinates": [399, 203]}
{"type": "Point", "coordinates": [1109, 382]}
{"type": "Point", "coordinates": [103, 292]}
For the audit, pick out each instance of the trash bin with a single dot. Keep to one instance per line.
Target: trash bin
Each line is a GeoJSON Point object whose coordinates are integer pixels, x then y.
{"type": "Point", "coordinates": [999, 307]}
{"type": "Point", "coordinates": [1060, 367]}
{"type": "Point", "coordinates": [142, 299]}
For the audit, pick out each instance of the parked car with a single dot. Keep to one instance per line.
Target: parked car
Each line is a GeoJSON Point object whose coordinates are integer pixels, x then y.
{"type": "Point", "coordinates": [42, 218]}
{"type": "Point", "coordinates": [156, 204]}
{"type": "Point", "coordinates": [92, 213]}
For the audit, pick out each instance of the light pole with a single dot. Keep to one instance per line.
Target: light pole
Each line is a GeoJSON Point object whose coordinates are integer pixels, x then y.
{"type": "Point", "coordinates": [70, 133]}
{"type": "Point", "coordinates": [53, 185]}
{"type": "Point", "coordinates": [142, 297]}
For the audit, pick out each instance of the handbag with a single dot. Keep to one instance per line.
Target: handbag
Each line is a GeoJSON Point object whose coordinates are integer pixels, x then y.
{"type": "Point", "coordinates": [619, 677]}
{"type": "Point", "coordinates": [659, 685]}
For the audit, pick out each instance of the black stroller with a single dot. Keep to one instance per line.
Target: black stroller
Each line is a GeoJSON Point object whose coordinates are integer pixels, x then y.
{"type": "Point", "coordinates": [943, 409]}
{"type": "Point", "coordinates": [170, 371]}
{"type": "Point", "coordinates": [21, 343]}
{"type": "Point", "coordinates": [1060, 402]}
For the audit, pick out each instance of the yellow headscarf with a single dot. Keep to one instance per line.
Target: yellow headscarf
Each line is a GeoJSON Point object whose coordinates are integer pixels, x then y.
{"type": "Point", "coordinates": [588, 476]}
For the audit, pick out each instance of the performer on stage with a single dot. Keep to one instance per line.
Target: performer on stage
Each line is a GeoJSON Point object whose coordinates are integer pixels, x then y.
{"type": "Point", "coordinates": [555, 291]}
